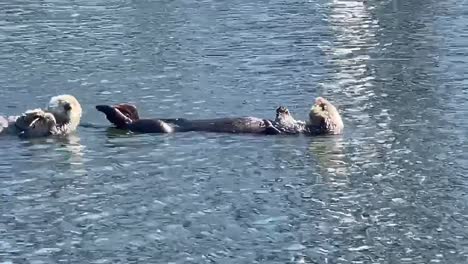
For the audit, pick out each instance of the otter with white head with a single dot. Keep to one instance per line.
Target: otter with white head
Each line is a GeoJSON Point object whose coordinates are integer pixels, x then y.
{"type": "Point", "coordinates": [324, 118]}
{"type": "Point", "coordinates": [67, 112]}
{"type": "Point", "coordinates": [62, 117]}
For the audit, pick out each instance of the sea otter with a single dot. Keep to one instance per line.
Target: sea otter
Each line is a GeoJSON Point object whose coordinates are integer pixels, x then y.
{"type": "Point", "coordinates": [32, 123]}
{"type": "Point", "coordinates": [125, 116]}
{"type": "Point", "coordinates": [323, 119]}
{"type": "Point", "coordinates": [61, 117]}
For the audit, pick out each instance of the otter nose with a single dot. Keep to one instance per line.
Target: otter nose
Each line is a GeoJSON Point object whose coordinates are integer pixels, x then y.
{"type": "Point", "coordinates": [67, 107]}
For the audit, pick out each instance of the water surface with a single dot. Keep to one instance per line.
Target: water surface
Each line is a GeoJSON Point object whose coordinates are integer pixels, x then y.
{"type": "Point", "coordinates": [392, 189]}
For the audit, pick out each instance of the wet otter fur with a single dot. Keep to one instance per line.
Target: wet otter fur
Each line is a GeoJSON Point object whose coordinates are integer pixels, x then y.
{"type": "Point", "coordinates": [125, 116]}
{"type": "Point", "coordinates": [286, 123]}
{"type": "Point", "coordinates": [32, 123]}
{"type": "Point", "coordinates": [67, 112]}
{"type": "Point", "coordinates": [61, 117]}
{"type": "Point", "coordinates": [323, 119]}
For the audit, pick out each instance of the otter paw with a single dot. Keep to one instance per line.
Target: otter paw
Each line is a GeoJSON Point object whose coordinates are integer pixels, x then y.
{"type": "Point", "coordinates": [28, 118]}
{"type": "Point", "coordinates": [270, 129]}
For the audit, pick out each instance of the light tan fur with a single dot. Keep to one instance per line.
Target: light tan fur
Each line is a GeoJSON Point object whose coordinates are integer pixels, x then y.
{"type": "Point", "coordinates": [66, 110]}
{"type": "Point", "coordinates": [323, 113]}
{"type": "Point", "coordinates": [61, 117]}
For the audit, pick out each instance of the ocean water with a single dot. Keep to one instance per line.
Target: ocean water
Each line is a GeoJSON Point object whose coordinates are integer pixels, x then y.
{"type": "Point", "coordinates": [391, 189]}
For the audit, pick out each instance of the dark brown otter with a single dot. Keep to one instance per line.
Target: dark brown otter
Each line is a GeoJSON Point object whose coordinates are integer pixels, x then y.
{"type": "Point", "coordinates": [121, 115]}
{"type": "Point", "coordinates": [125, 116]}
{"type": "Point", "coordinates": [323, 119]}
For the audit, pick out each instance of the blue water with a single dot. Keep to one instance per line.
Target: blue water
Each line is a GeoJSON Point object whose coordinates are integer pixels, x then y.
{"type": "Point", "coordinates": [391, 189]}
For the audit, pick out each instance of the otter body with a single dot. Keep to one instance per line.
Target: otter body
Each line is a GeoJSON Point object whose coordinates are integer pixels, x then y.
{"type": "Point", "coordinates": [246, 124]}
{"type": "Point", "coordinates": [220, 125]}
{"type": "Point", "coordinates": [32, 123]}
{"type": "Point", "coordinates": [125, 116]}
{"type": "Point", "coordinates": [323, 119]}
{"type": "Point", "coordinates": [61, 117]}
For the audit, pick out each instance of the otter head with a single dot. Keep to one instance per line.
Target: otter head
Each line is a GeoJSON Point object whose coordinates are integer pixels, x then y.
{"type": "Point", "coordinates": [284, 117]}
{"type": "Point", "coordinates": [120, 115]}
{"type": "Point", "coordinates": [66, 110]}
{"type": "Point", "coordinates": [324, 118]}
{"type": "Point", "coordinates": [36, 123]}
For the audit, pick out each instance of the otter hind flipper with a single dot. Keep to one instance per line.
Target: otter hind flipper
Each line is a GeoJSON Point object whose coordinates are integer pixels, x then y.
{"type": "Point", "coordinates": [114, 115]}
{"type": "Point", "coordinates": [128, 110]}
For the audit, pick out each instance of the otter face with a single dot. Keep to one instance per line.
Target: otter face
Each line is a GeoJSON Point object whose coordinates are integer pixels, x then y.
{"type": "Point", "coordinates": [35, 123]}
{"type": "Point", "coordinates": [66, 110]}
{"type": "Point", "coordinates": [324, 118]}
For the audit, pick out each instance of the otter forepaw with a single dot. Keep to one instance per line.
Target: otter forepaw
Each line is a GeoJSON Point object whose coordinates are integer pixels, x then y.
{"type": "Point", "coordinates": [270, 129]}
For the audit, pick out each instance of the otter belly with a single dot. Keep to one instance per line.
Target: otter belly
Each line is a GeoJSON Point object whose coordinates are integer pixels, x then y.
{"type": "Point", "coordinates": [220, 125]}
{"type": "Point", "coordinates": [229, 125]}
{"type": "Point", "coordinates": [150, 126]}
{"type": "Point", "coordinates": [125, 116]}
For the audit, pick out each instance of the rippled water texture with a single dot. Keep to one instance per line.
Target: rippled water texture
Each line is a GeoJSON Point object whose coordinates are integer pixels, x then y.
{"type": "Point", "coordinates": [392, 189]}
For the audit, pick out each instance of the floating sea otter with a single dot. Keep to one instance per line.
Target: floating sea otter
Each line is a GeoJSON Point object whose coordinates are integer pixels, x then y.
{"type": "Point", "coordinates": [323, 119]}
{"type": "Point", "coordinates": [61, 117]}
{"type": "Point", "coordinates": [32, 123]}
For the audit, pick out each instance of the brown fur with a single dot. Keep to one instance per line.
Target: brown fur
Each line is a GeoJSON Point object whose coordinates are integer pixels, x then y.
{"type": "Point", "coordinates": [323, 119]}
